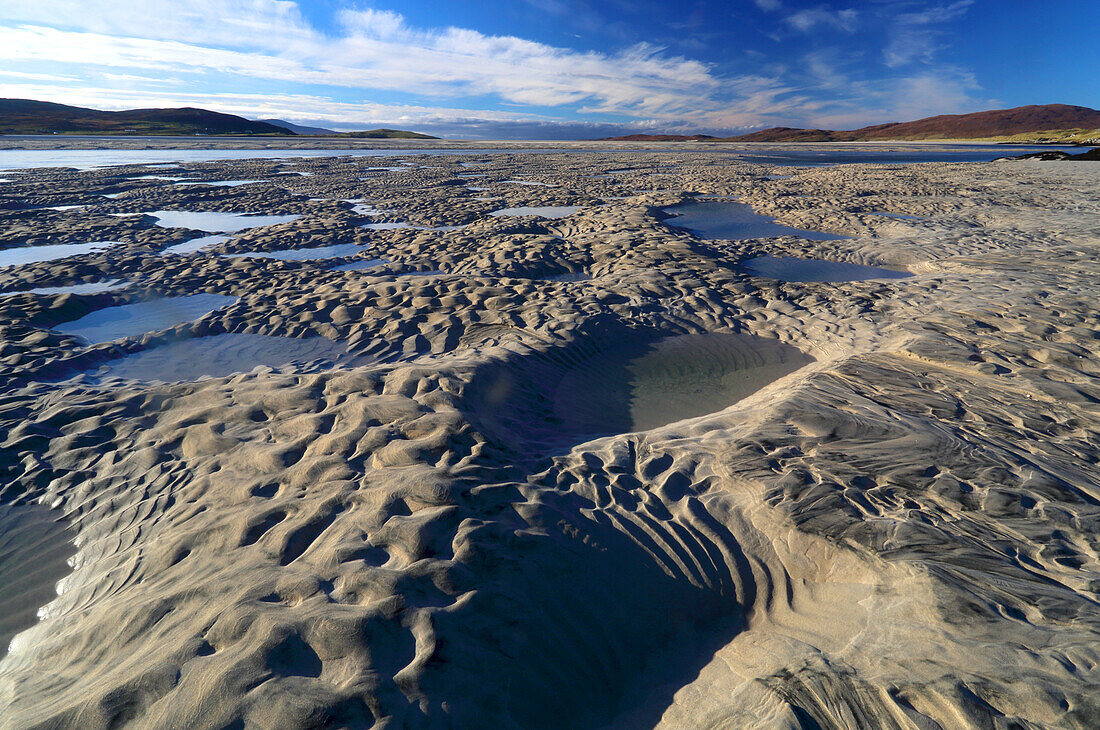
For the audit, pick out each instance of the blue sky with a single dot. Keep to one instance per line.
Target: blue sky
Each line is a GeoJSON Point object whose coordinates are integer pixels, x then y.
{"type": "Point", "coordinates": [555, 68]}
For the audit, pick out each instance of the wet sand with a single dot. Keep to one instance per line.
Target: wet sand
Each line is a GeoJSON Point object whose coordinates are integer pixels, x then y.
{"type": "Point", "coordinates": [587, 472]}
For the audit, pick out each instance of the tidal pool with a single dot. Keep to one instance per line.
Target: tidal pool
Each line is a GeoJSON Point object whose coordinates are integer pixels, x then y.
{"type": "Point", "coordinates": [731, 221]}
{"type": "Point", "coordinates": [36, 254]}
{"type": "Point", "coordinates": [621, 380]}
{"type": "Point", "coordinates": [531, 183]}
{"type": "Point", "coordinates": [129, 320]}
{"type": "Point", "coordinates": [194, 245]}
{"type": "Point", "coordinates": [544, 211]}
{"type": "Point", "coordinates": [789, 268]}
{"type": "Point", "coordinates": [222, 183]}
{"type": "Point", "coordinates": [35, 547]}
{"type": "Point", "coordinates": [397, 225]}
{"type": "Point", "coordinates": [217, 222]}
{"type": "Point", "coordinates": [305, 254]}
{"type": "Point", "coordinates": [361, 265]}
{"type": "Point", "coordinates": [370, 210]}
{"type": "Point", "coordinates": [570, 277]}
{"type": "Point", "coordinates": [91, 288]}
{"type": "Point", "coordinates": [218, 356]}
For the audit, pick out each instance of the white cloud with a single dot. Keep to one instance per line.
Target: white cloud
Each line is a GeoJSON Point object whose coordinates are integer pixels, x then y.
{"type": "Point", "coordinates": [293, 107]}
{"type": "Point", "coordinates": [36, 76]}
{"type": "Point", "coordinates": [936, 14]}
{"type": "Point", "coordinates": [375, 50]}
{"type": "Point", "coordinates": [183, 52]}
{"type": "Point", "coordinates": [238, 24]}
{"type": "Point", "coordinates": [809, 19]}
{"type": "Point", "coordinates": [944, 91]}
{"type": "Point", "coordinates": [915, 37]}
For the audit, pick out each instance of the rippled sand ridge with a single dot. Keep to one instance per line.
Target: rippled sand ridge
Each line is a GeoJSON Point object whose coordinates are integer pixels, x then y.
{"type": "Point", "coordinates": [445, 468]}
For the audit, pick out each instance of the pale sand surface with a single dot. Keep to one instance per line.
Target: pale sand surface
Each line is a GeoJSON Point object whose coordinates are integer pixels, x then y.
{"type": "Point", "coordinates": [592, 474]}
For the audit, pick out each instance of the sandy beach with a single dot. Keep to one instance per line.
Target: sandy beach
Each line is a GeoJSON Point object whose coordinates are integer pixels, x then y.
{"type": "Point", "coordinates": [586, 469]}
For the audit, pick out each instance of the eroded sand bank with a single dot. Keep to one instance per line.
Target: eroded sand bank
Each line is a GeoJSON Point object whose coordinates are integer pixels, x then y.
{"type": "Point", "coordinates": [866, 504]}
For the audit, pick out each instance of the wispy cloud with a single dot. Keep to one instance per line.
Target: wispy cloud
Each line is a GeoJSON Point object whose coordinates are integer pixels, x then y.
{"type": "Point", "coordinates": [4, 73]}
{"type": "Point", "coordinates": [376, 49]}
{"type": "Point", "coordinates": [874, 59]}
{"type": "Point", "coordinates": [916, 36]}
{"type": "Point", "coordinates": [810, 19]}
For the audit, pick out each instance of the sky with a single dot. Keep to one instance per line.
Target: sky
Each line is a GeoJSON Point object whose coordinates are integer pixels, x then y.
{"type": "Point", "coordinates": [555, 69]}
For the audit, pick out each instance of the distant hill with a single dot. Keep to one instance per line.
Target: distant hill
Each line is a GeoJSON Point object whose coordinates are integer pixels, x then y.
{"type": "Point", "coordinates": [298, 128]}
{"type": "Point", "coordinates": [1047, 122]}
{"type": "Point", "coordinates": [25, 116]}
{"type": "Point", "coordinates": [1046, 118]}
{"type": "Point", "coordinates": [386, 134]}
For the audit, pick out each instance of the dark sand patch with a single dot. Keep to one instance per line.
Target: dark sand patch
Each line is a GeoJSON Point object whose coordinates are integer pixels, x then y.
{"type": "Point", "coordinates": [789, 268]}
{"type": "Point", "coordinates": [35, 546]}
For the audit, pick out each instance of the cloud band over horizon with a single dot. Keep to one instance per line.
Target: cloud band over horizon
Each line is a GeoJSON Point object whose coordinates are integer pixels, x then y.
{"type": "Point", "coordinates": [734, 67]}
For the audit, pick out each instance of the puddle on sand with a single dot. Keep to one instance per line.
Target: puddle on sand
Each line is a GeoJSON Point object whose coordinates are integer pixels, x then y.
{"type": "Point", "coordinates": [727, 220]}
{"type": "Point", "coordinates": [94, 287]}
{"type": "Point", "coordinates": [572, 276]}
{"type": "Point", "coordinates": [217, 222]}
{"type": "Point", "coordinates": [367, 210]}
{"type": "Point", "coordinates": [129, 320]}
{"type": "Point", "coordinates": [218, 356]}
{"type": "Point", "coordinates": [532, 183]}
{"type": "Point", "coordinates": [305, 254]}
{"type": "Point", "coordinates": [35, 546]}
{"type": "Point", "coordinates": [397, 225]}
{"type": "Point", "coordinates": [789, 268]}
{"type": "Point", "coordinates": [170, 178]}
{"type": "Point", "coordinates": [193, 245]}
{"type": "Point", "coordinates": [36, 254]}
{"type": "Point", "coordinates": [221, 183]}
{"type": "Point", "coordinates": [361, 265]}
{"type": "Point", "coordinates": [544, 211]}
{"type": "Point", "coordinates": [620, 381]}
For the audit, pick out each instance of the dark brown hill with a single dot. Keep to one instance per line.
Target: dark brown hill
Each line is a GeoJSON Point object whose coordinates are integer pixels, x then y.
{"type": "Point", "coordinates": [996, 123]}
{"type": "Point", "coordinates": [25, 116]}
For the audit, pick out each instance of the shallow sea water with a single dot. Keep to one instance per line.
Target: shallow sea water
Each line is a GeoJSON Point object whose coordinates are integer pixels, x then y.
{"type": "Point", "coordinates": [94, 287]}
{"type": "Point", "coordinates": [36, 254]}
{"type": "Point", "coordinates": [218, 356]}
{"type": "Point", "coordinates": [732, 221]}
{"type": "Point", "coordinates": [214, 222]}
{"type": "Point", "coordinates": [305, 254]}
{"type": "Point", "coordinates": [543, 211]}
{"type": "Point", "coordinates": [130, 320]}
